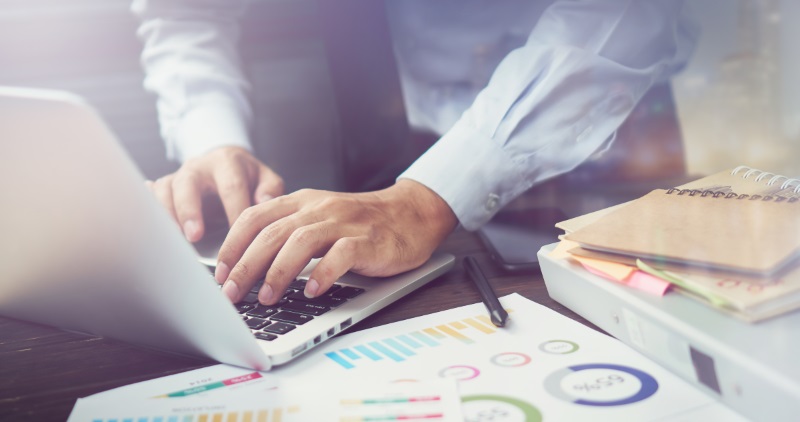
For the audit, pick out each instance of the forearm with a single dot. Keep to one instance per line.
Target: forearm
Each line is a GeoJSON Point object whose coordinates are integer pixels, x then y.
{"type": "Point", "coordinates": [553, 102]}
{"type": "Point", "coordinates": [191, 62]}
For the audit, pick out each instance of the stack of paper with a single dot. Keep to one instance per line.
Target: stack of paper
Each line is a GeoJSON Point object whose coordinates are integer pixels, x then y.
{"type": "Point", "coordinates": [736, 251]}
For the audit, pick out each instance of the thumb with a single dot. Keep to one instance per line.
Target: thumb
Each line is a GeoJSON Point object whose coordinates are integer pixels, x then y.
{"type": "Point", "coordinates": [269, 186]}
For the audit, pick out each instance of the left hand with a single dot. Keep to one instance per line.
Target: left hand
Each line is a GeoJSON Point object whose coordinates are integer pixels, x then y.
{"type": "Point", "coordinates": [377, 234]}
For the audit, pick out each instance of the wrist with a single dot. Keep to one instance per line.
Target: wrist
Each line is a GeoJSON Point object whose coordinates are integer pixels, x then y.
{"type": "Point", "coordinates": [428, 207]}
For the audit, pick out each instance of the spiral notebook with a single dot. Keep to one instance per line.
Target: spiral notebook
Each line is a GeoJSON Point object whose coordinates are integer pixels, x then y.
{"type": "Point", "coordinates": [735, 236]}
{"type": "Point", "coordinates": [742, 180]}
{"type": "Point", "coordinates": [754, 234]}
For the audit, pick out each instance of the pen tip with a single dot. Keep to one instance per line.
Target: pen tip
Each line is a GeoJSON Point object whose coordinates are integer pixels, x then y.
{"type": "Point", "coordinates": [497, 319]}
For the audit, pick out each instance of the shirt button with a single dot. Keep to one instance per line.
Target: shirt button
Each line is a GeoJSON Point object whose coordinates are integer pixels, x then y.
{"type": "Point", "coordinates": [492, 202]}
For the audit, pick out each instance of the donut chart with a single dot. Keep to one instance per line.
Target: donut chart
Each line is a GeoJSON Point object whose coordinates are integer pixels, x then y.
{"type": "Point", "coordinates": [496, 408]}
{"type": "Point", "coordinates": [601, 384]}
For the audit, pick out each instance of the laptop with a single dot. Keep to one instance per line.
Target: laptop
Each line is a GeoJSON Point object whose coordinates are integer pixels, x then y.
{"type": "Point", "coordinates": [86, 247]}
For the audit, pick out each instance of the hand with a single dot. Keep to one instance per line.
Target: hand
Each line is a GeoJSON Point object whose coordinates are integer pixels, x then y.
{"type": "Point", "coordinates": [234, 174]}
{"type": "Point", "coordinates": [379, 234]}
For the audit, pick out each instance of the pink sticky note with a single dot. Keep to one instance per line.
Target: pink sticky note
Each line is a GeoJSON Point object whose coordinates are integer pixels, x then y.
{"type": "Point", "coordinates": [648, 283]}
{"type": "Point", "coordinates": [639, 280]}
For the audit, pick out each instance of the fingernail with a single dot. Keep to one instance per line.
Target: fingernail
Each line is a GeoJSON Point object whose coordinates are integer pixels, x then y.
{"type": "Point", "coordinates": [264, 198]}
{"type": "Point", "coordinates": [222, 272]}
{"type": "Point", "coordinates": [190, 229]}
{"type": "Point", "coordinates": [311, 288]}
{"type": "Point", "coordinates": [265, 294]}
{"type": "Point", "coordinates": [231, 289]}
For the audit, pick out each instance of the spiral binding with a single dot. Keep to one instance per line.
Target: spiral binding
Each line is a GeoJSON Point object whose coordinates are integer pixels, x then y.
{"type": "Point", "coordinates": [761, 175]}
{"type": "Point", "coordinates": [731, 195]}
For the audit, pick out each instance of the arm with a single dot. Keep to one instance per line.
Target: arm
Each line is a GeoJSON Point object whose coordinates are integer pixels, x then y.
{"type": "Point", "coordinates": [549, 105]}
{"type": "Point", "coordinates": [191, 62]}
{"type": "Point", "coordinates": [553, 102]}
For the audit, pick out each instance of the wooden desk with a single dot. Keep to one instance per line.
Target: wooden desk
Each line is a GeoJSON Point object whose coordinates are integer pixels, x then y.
{"type": "Point", "coordinates": [44, 370]}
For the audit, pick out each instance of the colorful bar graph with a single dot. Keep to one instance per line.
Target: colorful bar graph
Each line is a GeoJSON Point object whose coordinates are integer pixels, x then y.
{"type": "Point", "coordinates": [368, 353]}
{"type": "Point", "coordinates": [458, 325]}
{"type": "Point", "coordinates": [399, 347]}
{"type": "Point", "coordinates": [405, 346]}
{"type": "Point", "coordinates": [211, 386]}
{"type": "Point", "coordinates": [256, 415]}
{"type": "Point", "coordinates": [455, 334]}
{"type": "Point", "coordinates": [385, 351]}
{"type": "Point", "coordinates": [435, 334]}
{"type": "Point", "coordinates": [409, 341]}
{"type": "Point", "coordinates": [340, 360]}
{"type": "Point", "coordinates": [425, 339]}
{"type": "Point", "coordinates": [427, 416]}
{"type": "Point", "coordinates": [350, 354]}
{"type": "Point", "coordinates": [478, 326]}
{"type": "Point", "coordinates": [392, 400]}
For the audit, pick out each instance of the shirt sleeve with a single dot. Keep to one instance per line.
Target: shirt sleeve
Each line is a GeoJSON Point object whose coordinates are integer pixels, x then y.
{"type": "Point", "coordinates": [553, 102]}
{"type": "Point", "coordinates": [191, 62]}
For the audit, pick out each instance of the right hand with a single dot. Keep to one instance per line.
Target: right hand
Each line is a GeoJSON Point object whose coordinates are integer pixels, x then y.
{"type": "Point", "coordinates": [233, 173]}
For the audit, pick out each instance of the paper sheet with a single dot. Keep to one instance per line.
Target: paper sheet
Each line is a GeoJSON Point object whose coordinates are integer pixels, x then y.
{"type": "Point", "coordinates": [226, 393]}
{"type": "Point", "coordinates": [542, 366]}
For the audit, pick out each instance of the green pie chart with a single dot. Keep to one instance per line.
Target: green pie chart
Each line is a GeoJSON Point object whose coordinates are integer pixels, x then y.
{"type": "Point", "coordinates": [485, 408]}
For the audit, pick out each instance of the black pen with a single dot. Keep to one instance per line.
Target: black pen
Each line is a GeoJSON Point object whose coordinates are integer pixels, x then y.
{"type": "Point", "coordinates": [497, 314]}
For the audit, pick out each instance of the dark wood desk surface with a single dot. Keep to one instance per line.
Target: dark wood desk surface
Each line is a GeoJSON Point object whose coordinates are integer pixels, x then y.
{"type": "Point", "coordinates": [44, 370]}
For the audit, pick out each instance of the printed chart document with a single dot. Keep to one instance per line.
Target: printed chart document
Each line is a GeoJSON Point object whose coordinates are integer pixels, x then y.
{"type": "Point", "coordinates": [541, 366]}
{"type": "Point", "coordinates": [227, 393]}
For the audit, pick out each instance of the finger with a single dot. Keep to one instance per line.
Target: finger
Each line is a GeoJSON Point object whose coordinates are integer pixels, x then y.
{"type": "Point", "coordinates": [269, 186]}
{"type": "Point", "coordinates": [245, 229]}
{"type": "Point", "coordinates": [234, 191]}
{"type": "Point", "coordinates": [341, 258]}
{"type": "Point", "coordinates": [188, 202]}
{"type": "Point", "coordinates": [163, 190]}
{"type": "Point", "coordinates": [257, 257]}
{"type": "Point", "coordinates": [299, 248]}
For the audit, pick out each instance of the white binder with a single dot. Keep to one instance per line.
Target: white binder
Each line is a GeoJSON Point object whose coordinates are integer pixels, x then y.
{"type": "Point", "coordinates": [753, 368]}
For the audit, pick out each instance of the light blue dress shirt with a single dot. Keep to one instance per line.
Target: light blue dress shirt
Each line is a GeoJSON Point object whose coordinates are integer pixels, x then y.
{"type": "Point", "coordinates": [520, 91]}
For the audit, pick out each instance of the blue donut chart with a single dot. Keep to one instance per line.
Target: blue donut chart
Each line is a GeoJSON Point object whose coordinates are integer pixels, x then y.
{"type": "Point", "coordinates": [649, 385]}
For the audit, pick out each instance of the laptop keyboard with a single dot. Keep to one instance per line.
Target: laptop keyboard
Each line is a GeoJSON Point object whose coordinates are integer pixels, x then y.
{"type": "Point", "coordinates": [269, 322]}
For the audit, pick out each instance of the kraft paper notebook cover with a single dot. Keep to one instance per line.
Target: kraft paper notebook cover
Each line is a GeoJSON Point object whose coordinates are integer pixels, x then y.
{"type": "Point", "coordinates": [742, 180]}
{"type": "Point", "coordinates": [726, 230]}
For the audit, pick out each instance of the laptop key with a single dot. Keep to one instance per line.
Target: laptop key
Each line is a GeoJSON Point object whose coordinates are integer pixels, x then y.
{"type": "Point", "coordinates": [256, 323]}
{"type": "Point", "coordinates": [263, 311]}
{"type": "Point", "coordinates": [251, 298]}
{"type": "Point", "coordinates": [279, 328]}
{"type": "Point", "coordinates": [265, 336]}
{"type": "Point", "coordinates": [244, 307]}
{"type": "Point", "coordinates": [298, 284]}
{"type": "Point", "coordinates": [305, 307]}
{"type": "Point", "coordinates": [348, 292]}
{"type": "Point", "coordinates": [294, 318]}
{"type": "Point", "coordinates": [326, 300]}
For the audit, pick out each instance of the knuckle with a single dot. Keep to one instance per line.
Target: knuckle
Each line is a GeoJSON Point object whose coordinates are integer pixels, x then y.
{"type": "Point", "coordinates": [347, 246]}
{"type": "Point", "coordinates": [303, 236]}
{"type": "Point", "coordinates": [226, 251]}
{"type": "Point", "coordinates": [233, 184]}
{"type": "Point", "coordinates": [304, 193]}
{"type": "Point", "coordinates": [269, 235]}
{"type": "Point", "coordinates": [240, 270]}
{"type": "Point", "coordinates": [276, 272]}
{"type": "Point", "coordinates": [248, 216]}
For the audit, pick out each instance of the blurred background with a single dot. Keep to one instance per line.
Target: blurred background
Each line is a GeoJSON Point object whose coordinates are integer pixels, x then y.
{"type": "Point", "coordinates": [738, 101]}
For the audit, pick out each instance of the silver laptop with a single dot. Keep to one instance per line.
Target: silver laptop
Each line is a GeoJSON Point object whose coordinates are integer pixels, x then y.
{"type": "Point", "coordinates": [86, 247]}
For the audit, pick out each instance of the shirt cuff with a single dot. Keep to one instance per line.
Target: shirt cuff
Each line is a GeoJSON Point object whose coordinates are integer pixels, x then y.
{"type": "Point", "coordinates": [206, 127]}
{"type": "Point", "coordinates": [471, 172]}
